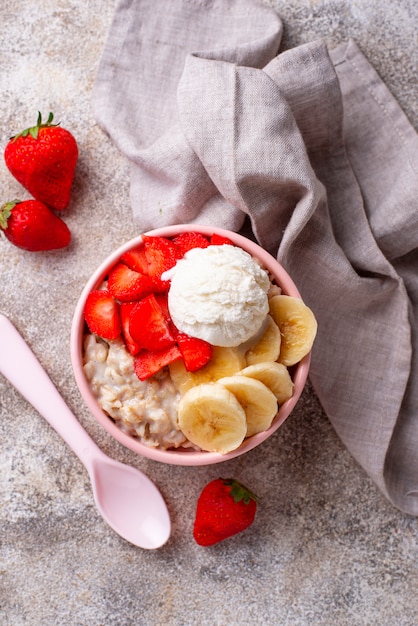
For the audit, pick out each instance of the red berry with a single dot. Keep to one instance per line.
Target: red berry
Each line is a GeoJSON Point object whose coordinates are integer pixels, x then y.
{"type": "Point", "coordinates": [224, 508]}
{"type": "Point", "coordinates": [196, 352]}
{"type": "Point", "coordinates": [125, 310]}
{"type": "Point", "coordinates": [43, 159]}
{"type": "Point", "coordinates": [136, 260]}
{"type": "Point", "coordinates": [188, 240]}
{"type": "Point", "coordinates": [220, 240]}
{"type": "Point", "coordinates": [127, 285]}
{"type": "Point", "coordinates": [148, 325]}
{"type": "Point", "coordinates": [101, 313]}
{"type": "Point", "coordinates": [149, 362]}
{"type": "Point", "coordinates": [162, 299]}
{"type": "Point", "coordinates": [30, 225]}
{"type": "Point", "coordinates": [161, 254]}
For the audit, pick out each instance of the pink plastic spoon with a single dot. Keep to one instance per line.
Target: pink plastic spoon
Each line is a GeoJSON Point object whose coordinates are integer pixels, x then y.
{"type": "Point", "coordinates": [128, 501]}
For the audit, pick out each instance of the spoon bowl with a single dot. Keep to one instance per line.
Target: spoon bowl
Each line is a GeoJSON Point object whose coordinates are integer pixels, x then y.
{"type": "Point", "coordinates": [127, 499]}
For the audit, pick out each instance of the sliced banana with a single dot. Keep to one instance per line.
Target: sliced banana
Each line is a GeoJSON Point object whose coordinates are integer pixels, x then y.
{"type": "Point", "coordinates": [224, 362]}
{"type": "Point", "coordinates": [268, 346]}
{"type": "Point", "coordinates": [297, 325]}
{"type": "Point", "coordinates": [258, 402]}
{"type": "Point", "coordinates": [212, 418]}
{"type": "Point", "coordinates": [274, 375]}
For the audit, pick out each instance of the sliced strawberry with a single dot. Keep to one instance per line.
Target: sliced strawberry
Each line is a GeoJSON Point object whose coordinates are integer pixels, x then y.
{"type": "Point", "coordinates": [149, 362]}
{"type": "Point", "coordinates": [162, 299]}
{"type": "Point", "coordinates": [188, 240]}
{"type": "Point", "coordinates": [125, 313]}
{"type": "Point", "coordinates": [195, 352]}
{"type": "Point", "coordinates": [148, 325]}
{"type": "Point", "coordinates": [220, 240]}
{"type": "Point", "coordinates": [161, 254]}
{"type": "Point", "coordinates": [136, 260]}
{"type": "Point", "coordinates": [127, 285]}
{"type": "Point", "coordinates": [101, 313]}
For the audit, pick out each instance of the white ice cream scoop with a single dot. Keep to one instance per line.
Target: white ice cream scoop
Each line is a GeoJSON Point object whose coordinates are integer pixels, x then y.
{"type": "Point", "coordinates": [128, 501]}
{"type": "Point", "coordinates": [218, 294]}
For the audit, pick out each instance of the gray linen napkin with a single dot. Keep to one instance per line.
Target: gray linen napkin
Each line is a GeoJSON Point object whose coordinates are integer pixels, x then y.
{"type": "Point", "coordinates": [311, 147]}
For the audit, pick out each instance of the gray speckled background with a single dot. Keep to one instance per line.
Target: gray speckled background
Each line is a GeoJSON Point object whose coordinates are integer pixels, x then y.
{"type": "Point", "coordinates": [326, 547]}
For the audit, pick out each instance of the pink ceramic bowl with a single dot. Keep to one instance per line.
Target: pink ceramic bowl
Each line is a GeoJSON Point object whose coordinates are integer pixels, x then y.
{"type": "Point", "coordinates": [182, 456]}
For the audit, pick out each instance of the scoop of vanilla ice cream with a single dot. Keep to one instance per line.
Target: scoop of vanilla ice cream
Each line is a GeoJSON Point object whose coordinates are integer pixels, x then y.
{"type": "Point", "coordinates": [218, 294]}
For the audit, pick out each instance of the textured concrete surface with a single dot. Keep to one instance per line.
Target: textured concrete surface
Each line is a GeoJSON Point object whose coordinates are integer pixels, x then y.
{"type": "Point", "coordinates": [326, 547]}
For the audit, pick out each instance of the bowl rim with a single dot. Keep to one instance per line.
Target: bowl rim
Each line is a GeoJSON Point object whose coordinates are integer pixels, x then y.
{"type": "Point", "coordinates": [181, 456]}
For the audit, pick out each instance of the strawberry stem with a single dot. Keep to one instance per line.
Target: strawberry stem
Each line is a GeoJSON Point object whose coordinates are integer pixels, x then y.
{"type": "Point", "coordinates": [33, 131]}
{"type": "Point", "coordinates": [239, 492]}
{"type": "Point", "coordinates": [6, 211]}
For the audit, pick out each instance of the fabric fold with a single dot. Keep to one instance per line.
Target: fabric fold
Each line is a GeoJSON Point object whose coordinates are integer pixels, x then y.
{"type": "Point", "coordinates": [312, 149]}
{"type": "Point", "coordinates": [276, 170]}
{"type": "Point", "coordinates": [134, 96]}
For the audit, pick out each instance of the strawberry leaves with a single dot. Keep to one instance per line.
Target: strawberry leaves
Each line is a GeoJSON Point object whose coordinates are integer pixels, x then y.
{"type": "Point", "coordinates": [238, 492]}
{"type": "Point", "coordinates": [33, 131]}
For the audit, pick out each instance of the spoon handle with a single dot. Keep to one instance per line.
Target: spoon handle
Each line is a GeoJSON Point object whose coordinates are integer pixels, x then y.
{"type": "Point", "coordinates": [21, 367]}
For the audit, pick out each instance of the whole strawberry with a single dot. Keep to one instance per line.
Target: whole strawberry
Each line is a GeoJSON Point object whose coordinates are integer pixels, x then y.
{"type": "Point", "coordinates": [224, 508]}
{"type": "Point", "coordinates": [32, 226]}
{"type": "Point", "coordinates": [43, 160]}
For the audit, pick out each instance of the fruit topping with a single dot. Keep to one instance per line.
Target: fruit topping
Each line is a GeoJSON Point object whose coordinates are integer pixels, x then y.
{"type": "Point", "coordinates": [297, 326]}
{"type": "Point", "coordinates": [148, 325]}
{"type": "Point", "coordinates": [188, 240]}
{"type": "Point", "coordinates": [101, 313]}
{"type": "Point", "coordinates": [125, 310]}
{"type": "Point", "coordinates": [161, 255]}
{"type": "Point", "coordinates": [257, 400]}
{"type": "Point", "coordinates": [127, 285]}
{"type": "Point", "coordinates": [220, 240]}
{"type": "Point", "coordinates": [267, 347]}
{"type": "Point", "coordinates": [136, 260]}
{"type": "Point", "coordinates": [150, 362]}
{"type": "Point", "coordinates": [224, 362]}
{"type": "Point", "coordinates": [274, 375]}
{"type": "Point", "coordinates": [212, 418]}
{"type": "Point", "coordinates": [196, 352]}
